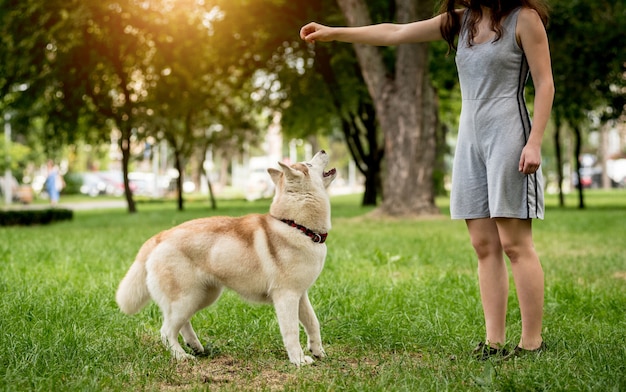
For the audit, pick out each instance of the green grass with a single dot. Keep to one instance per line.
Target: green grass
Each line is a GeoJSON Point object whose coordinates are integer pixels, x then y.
{"type": "Point", "coordinates": [398, 303]}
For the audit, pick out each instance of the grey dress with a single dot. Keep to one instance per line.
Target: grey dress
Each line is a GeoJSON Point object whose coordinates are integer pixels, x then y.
{"type": "Point", "coordinates": [494, 127]}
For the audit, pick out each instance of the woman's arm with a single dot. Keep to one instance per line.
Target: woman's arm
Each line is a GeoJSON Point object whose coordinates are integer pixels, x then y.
{"type": "Point", "coordinates": [534, 41]}
{"type": "Point", "coordinates": [384, 34]}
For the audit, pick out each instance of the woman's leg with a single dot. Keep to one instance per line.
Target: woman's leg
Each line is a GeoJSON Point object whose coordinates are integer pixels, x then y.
{"type": "Point", "coordinates": [517, 242]}
{"type": "Point", "coordinates": [492, 277]}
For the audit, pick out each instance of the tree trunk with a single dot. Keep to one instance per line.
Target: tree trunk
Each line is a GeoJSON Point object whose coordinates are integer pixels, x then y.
{"type": "Point", "coordinates": [211, 194]}
{"type": "Point", "coordinates": [123, 120]}
{"type": "Point", "coordinates": [559, 158]}
{"type": "Point", "coordinates": [125, 147]}
{"type": "Point", "coordinates": [604, 156]}
{"type": "Point", "coordinates": [179, 180]}
{"type": "Point", "coordinates": [366, 157]}
{"type": "Point", "coordinates": [373, 159]}
{"type": "Point", "coordinates": [208, 175]}
{"type": "Point", "coordinates": [577, 150]}
{"type": "Point", "coordinates": [368, 163]}
{"type": "Point", "coordinates": [404, 107]}
{"type": "Point", "coordinates": [370, 193]}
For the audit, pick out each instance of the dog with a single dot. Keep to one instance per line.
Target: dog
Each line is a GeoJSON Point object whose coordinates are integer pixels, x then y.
{"type": "Point", "coordinates": [267, 258]}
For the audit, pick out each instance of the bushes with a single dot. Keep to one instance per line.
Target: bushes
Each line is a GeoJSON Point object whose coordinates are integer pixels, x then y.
{"type": "Point", "coordinates": [34, 217]}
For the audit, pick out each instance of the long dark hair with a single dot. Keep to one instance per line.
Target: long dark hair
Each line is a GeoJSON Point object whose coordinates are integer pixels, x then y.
{"type": "Point", "coordinates": [451, 25]}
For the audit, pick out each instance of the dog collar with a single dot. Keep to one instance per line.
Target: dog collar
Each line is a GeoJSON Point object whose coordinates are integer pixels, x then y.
{"type": "Point", "coordinates": [315, 237]}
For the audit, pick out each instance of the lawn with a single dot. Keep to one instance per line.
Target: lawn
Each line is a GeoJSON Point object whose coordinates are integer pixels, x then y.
{"type": "Point", "coordinates": [398, 303]}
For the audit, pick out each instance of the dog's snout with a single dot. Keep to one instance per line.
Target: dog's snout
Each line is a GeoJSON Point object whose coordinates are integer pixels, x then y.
{"type": "Point", "coordinates": [322, 152]}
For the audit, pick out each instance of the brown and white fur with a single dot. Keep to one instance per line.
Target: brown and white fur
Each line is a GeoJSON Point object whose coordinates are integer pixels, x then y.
{"type": "Point", "coordinates": [264, 259]}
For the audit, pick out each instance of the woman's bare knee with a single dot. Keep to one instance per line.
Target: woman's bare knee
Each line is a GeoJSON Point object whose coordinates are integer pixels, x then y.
{"type": "Point", "coordinates": [516, 239]}
{"type": "Point", "coordinates": [484, 238]}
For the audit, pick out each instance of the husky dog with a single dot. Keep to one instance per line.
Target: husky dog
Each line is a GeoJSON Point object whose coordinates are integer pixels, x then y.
{"type": "Point", "coordinates": [270, 258]}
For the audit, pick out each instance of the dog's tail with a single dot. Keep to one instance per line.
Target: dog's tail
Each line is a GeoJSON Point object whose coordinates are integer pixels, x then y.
{"type": "Point", "coordinates": [132, 294]}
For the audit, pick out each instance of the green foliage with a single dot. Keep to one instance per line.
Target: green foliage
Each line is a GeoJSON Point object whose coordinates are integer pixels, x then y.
{"type": "Point", "coordinates": [398, 302]}
{"type": "Point", "coordinates": [18, 157]}
{"type": "Point", "coordinates": [74, 70]}
{"type": "Point", "coordinates": [588, 58]}
{"type": "Point", "coordinates": [445, 79]}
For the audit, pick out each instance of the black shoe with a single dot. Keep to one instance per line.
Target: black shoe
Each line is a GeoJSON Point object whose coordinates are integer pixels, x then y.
{"type": "Point", "coordinates": [521, 352]}
{"type": "Point", "coordinates": [482, 352]}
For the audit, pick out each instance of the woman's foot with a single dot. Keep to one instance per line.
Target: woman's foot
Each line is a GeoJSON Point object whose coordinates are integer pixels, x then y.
{"type": "Point", "coordinates": [484, 351]}
{"type": "Point", "coordinates": [520, 352]}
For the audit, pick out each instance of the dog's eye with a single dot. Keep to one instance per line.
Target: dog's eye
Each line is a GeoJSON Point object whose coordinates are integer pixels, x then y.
{"type": "Point", "coordinates": [309, 165]}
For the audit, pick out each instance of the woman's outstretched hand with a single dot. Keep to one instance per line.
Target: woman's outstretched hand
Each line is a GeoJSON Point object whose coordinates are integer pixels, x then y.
{"type": "Point", "coordinates": [315, 32]}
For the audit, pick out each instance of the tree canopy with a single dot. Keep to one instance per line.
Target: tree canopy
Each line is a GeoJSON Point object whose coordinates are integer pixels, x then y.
{"type": "Point", "coordinates": [177, 70]}
{"type": "Point", "coordinates": [169, 69]}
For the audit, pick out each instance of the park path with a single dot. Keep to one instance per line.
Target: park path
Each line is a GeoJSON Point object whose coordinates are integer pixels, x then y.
{"type": "Point", "coordinates": [94, 205]}
{"type": "Point", "coordinates": [74, 206]}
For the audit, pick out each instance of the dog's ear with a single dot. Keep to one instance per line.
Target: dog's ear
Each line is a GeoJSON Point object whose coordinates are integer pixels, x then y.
{"type": "Point", "coordinates": [290, 172]}
{"type": "Point", "coordinates": [275, 174]}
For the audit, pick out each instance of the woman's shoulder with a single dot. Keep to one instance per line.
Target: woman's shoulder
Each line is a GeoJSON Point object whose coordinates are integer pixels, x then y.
{"type": "Point", "coordinates": [529, 20]}
{"type": "Point", "coordinates": [530, 27]}
{"type": "Point", "coordinates": [529, 16]}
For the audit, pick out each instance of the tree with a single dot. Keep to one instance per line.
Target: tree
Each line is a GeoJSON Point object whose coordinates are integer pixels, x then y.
{"type": "Point", "coordinates": [334, 96]}
{"type": "Point", "coordinates": [219, 66]}
{"type": "Point", "coordinates": [89, 67]}
{"type": "Point", "coordinates": [404, 101]}
{"type": "Point", "coordinates": [589, 64]}
{"type": "Point", "coordinates": [194, 85]}
{"type": "Point", "coordinates": [106, 63]}
{"type": "Point", "coordinates": [140, 67]}
{"type": "Point", "coordinates": [358, 123]}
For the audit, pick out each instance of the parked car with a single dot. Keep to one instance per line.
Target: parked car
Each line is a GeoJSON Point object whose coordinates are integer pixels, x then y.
{"type": "Point", "coordinates": [100, 183]}
{"type": "Point", "coordinates": [115, 182]}
{"type": "Point", "coordinates": [590, 177]}
{"type": "Point", "coordinates": [92, 184]}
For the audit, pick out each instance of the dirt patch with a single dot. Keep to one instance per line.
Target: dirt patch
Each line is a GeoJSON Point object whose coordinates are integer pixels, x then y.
{"type": "Point", "coordinates": [620, 275]}
{"type": "Point", "coordinates": [226, 373]}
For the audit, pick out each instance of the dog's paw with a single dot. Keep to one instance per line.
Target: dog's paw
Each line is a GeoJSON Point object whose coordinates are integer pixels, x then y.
{"type": "Point", "coordinates": [186, 357]}
{"type": "Point", "coordinates": [318, 352]}
{"type": "Point", "coordinates": [305, 360]}
{"type": "Point", "coordinates": [302, 360]}
{"type": "Point", "coordinates": [198, 350]}
{"type": "Point", "coordinates": [183, 356]}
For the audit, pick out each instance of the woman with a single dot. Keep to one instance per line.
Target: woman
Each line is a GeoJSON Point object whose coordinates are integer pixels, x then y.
{"type": "Point", "coordinates": [497, 185]}
{"type": "Point", "coordinates": [52, 183]}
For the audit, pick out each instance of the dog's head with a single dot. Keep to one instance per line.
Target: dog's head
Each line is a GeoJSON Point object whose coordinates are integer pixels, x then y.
{"type": "Point", "coordinates": [301, 192]}
{"type": "Point", "coordinates": [302, 173]}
